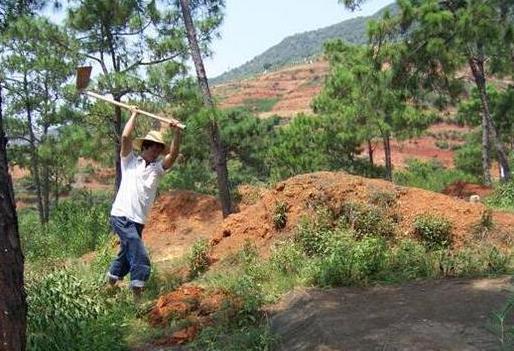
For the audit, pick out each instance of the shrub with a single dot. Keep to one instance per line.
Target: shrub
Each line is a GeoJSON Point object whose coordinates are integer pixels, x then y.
{"type": "Point", "coordinates": [382, 199]}
{"type": "Point", "coordinates": [311, 233]}
{"type": "Point", "coordinates": [199, 258]}
{"type": "Point", "coordinates": [434, 231]}
{"type": "Point", "coordinates": [502, 197]}
{"type": "Point", "coordinates": [280, 215]}
{"type": "Point", "coordinates": [408, 260]}
{"type": "Point", "coordinates": [367, 220]}
{"type": "Point", "coordinates": [76, 226]}
{"type": "Point", "coordinates": [430, 175]}
{"type": "Point", "coordinates": [67, 313]}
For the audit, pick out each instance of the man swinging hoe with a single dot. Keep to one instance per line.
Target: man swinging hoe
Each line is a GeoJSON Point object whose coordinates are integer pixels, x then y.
{"type": "Point", "coordinates": [139, 181]}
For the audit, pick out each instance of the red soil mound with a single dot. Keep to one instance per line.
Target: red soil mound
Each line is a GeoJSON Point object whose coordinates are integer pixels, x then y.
{"type": "Point", "coordinates": [190, 302]}
{"type": "Point", "coordinates": [464, 190]}
{"type": "Point", "coordinates": [177, 220]}
{"type": "Point", "coordinates": [303, 193]}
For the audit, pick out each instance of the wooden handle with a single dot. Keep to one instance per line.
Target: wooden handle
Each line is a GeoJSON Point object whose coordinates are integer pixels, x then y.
{"type": "Point", "coordinates": [171, 121]}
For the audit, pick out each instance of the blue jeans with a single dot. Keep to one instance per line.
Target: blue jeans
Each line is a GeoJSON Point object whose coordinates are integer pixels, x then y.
{"type": "Point", "coordinates": [132, 257]}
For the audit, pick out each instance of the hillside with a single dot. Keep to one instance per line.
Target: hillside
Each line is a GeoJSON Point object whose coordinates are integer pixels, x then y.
{"type": "Point", "coordinates": [302, 47]}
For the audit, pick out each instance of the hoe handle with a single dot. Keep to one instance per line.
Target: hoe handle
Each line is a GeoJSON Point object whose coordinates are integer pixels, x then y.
{"type": "Point", "coordinates": [171, 121]}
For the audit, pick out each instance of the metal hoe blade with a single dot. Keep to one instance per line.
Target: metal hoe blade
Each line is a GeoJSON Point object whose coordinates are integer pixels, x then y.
{"type": "Point", "coordinates": [83, 75]}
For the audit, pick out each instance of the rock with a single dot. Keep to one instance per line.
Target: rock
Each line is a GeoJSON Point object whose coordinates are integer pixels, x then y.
{"type": "Point", "coordinates": [474, 199]}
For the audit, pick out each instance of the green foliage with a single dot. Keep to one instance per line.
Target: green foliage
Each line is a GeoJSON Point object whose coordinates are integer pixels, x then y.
{"type": "Point", "coordinates": [76, 226]}
{"type": "Point", "coordinates": [67, 313]}
{"type": "Point", "coordinates": [310, 234]}
{"type": "Point", "coordinates": [502, 197]}
{"type": "Point", "coordinates": [260, 105]}
{"type": "Point", "coordinates": [430, 175]}
{"type": "Point", "coordinates": [199, 258]}
{"type": "Point", "coordinates": [367, 219]}
{"type": "Point", "coordinates": [468, 157]}
{"type": "Point", "coordinates": [280, 215]}
{"type": "Point", "coordinates": [246, 139]}
{"type": "Point", "coordinates": [435, 231]}
{"type": "Point", "coordinates": [309, 144]}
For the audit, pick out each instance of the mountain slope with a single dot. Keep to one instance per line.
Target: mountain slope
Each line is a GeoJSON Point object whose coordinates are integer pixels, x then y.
{"type": "Point", "coordinates": [303, 47]}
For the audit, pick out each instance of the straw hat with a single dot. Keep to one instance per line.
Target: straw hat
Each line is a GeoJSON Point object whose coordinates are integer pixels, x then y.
{"type": "Point", "coordinates": [154, 136]}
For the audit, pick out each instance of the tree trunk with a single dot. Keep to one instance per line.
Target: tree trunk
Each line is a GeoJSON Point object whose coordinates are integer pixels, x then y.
{"type": "Point", "coordinates": [387, 153]}
{"type": "Point", "coordinates": [370, 152]}
{"type": "Point", "coordinates": [34, 161]}
{"type": "Point", "coordinates": [477, 67]}
{"type": "Point", "coordinates": [218, 151]}
{"type": "Point", "coordinates": [46, 183]}
{"type": "Point", "coordinates": [13, 306]}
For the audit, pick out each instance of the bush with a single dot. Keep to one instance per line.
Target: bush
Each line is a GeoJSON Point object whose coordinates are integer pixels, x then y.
{"type": "Point", "coordinates": [311, 234]}
{"type": "Point", "coordinates": [67, 313]}
{"type": "Point", "coordinates": [199, 258]}
{"type": "Point", "coordinates": [77, 226]}
{"type": "Point", "coordinates": [434, 231]}
{"type": "Point", "coordinates": [368, 220]}
{"type": "Point", "coordinates": [430, 175]}
{"type": "Point", "coordinates": [280, 215]}
{"type": "Point", "coordinates": [502, 197]}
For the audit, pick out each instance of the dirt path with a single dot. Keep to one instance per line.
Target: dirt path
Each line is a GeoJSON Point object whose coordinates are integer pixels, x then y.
{"type": "Point", "coordinates": [430, 315]}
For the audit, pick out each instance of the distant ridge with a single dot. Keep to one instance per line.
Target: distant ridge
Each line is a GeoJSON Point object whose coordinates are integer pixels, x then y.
{"type": "Point", "coordinates": [303, 46]}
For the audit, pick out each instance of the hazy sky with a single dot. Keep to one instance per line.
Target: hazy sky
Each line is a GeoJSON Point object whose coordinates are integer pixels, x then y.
{"type": "Point", "coordinates": [252, 26]}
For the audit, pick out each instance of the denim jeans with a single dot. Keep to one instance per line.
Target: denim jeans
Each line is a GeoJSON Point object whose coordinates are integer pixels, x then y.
{"type": "Point", "coordinates": [132, 257]}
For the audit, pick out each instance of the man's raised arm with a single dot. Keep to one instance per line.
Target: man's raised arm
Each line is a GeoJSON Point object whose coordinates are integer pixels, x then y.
{"type": "Point", "coordinates": [126, 136]}
{"type": "Point", "coordinates": [170, 157]}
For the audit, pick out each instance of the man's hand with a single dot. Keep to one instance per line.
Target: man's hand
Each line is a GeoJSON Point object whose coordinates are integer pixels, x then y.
{"type": "Point", "coordinates": [126, 136]}
{"type": "Point", "coordinates": [170, 158]}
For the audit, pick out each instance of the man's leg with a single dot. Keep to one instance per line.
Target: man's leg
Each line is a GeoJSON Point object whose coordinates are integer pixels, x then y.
{"type": "Point", "coordinates": [138, 258]}
{"type": "Point", "coordinates": [120, 265]}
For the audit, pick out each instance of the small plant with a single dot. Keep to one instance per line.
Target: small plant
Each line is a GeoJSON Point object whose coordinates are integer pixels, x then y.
{"type": "Point", "coordinates": [484, 225]}
{"type": "Point", "coordinates": [199, 259]}
{"type": "Point", "coordinates": [382, 199]}
{"type": "Point", "coordinates": [280, 215]}
{"type": "Point", "coordinates": [367, 220]}
{"type": "Point", "coordinates": [434, 231]}
{"type": "Point", "coordinates": [442, 144]}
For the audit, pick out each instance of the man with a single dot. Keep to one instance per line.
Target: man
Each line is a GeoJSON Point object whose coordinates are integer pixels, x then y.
{"type": "Point", "coordinates": [140, 177]}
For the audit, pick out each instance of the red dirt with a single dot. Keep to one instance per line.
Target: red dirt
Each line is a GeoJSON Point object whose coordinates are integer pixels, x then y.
{"type": "Point", "coordinates": [190, 302]}
{"type": "Point", "coordinates": [294, 87]}
{"type": "Point", "coordinates": [302, 193]}
{"type": "Point", "coordinates": [177, 220]}
{"type": "Point", "coordinates": [464, 190]}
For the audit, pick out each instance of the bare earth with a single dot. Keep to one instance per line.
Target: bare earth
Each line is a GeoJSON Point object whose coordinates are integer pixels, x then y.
{"type": "Point", "coordinates": [451, 314]}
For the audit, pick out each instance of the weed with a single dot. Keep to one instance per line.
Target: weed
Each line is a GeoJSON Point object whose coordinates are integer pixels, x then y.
{"type": "Point", "coordinates": [434, 231]}
{"type": "Point", "coordinates": [368, 220]}
{"type": "Point", "coordinates": [382, 199]}
{"type": "Point", "coordinates": [502, 197]}
{"type": "Point", "coordinates": [280, 215]}
{"type": "Point", "coordinates": [199, 258]}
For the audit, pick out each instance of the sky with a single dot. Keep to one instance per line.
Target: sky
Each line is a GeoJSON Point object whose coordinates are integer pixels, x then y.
{"type": "Point", "coordinates": [251, 27]}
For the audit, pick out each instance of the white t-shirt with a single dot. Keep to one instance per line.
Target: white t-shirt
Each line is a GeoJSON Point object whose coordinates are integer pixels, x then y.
{"type": "Point", "coordinates": [137, 189]}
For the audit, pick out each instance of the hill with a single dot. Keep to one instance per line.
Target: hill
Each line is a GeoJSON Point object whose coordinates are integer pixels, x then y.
{"type": "Point", "coordinates": [302, 47]}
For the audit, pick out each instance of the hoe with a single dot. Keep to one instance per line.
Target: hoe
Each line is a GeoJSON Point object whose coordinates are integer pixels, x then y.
{"type": "Point", "coordinates": [83, 75]}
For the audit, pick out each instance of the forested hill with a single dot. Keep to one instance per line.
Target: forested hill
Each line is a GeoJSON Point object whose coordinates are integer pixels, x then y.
{"type": "Point", "coordinates": [302, 46]}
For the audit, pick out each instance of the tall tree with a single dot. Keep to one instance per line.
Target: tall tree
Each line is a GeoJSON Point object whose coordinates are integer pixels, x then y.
{"type": "Point", "coordinates": [13, 306]}
{"type": "Point", "coordinates": [441, 37]}
{"type": "Point", "coordinates": [123, 37]}
{"type": "Point", "coordinates": [35, 72]}
{"type": "Point", "coordinates": [218, 150]}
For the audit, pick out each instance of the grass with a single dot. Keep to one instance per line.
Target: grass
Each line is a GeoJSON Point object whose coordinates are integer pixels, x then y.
{"type": "Point", "coordinates": [260, 105]}
{"type": "Point", "coordinates": [354, 247]}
